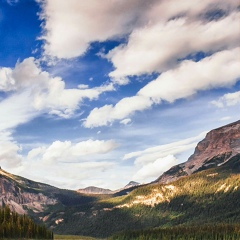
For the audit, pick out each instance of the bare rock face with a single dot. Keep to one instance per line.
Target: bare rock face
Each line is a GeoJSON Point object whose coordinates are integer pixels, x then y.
{"type": "Point", "coordinates": [20, 196]}
{"type": "Point", "coordinates": [218, 147]}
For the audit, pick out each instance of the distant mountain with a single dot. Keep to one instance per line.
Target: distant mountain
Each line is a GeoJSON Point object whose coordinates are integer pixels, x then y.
{"type": "Point", "coordinates": [122, 191]}
{"type": "Point", "coordinates": [217, 148]}
{"type": "Point", "coordinates": [132, 184]}
{"type": "Point", "coordinates": [94, 190]}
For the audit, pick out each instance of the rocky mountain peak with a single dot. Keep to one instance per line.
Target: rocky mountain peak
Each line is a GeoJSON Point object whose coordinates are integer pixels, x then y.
{"type": "Point", "coordinates": [218, 147]}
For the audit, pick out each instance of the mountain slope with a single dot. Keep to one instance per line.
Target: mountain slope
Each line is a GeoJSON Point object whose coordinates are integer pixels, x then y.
{"type": "Point", "coordinates": [218, 147]}
{"type": "Point", "coordinates": [36, 199]}
{"type": "Point", "coordinates": [209, 196]}
{"type": "Point", "coordinates": [205, 189]}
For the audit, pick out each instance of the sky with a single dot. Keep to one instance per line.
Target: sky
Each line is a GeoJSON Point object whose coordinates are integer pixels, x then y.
{"type": "Point", "coordinates": [99, 93]}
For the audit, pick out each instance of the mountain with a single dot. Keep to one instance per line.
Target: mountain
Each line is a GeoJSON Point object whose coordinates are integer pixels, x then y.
{"type": "Point", "coordinates": [207, 197]}
{"type": "Point", "coordinates": [95, 190]}
{"type": "Point", "coordinates": [22, 194]}
{"type": "Point", "coordinates": [132, 184]}
{"type": "Point", "coordinates": [203, 190]}
{"type": "Point", "coordinates": [122, 191]}
{"type": "Point", "coordinates": [36, 199]}
{"type": "Point", "coordinates": [217, 148]}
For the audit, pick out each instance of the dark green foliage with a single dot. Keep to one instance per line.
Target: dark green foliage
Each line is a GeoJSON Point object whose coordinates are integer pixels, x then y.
{"type": "Point", "coordinates": [207, 197]}
{"type": "Point", "coordinates": [15, 226]}
{"type": "Point", "coordinates": [210, 232]}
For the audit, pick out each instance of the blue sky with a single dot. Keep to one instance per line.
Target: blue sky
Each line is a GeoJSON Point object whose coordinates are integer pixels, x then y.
{"type": "Point", "coordinates": [104, 92]}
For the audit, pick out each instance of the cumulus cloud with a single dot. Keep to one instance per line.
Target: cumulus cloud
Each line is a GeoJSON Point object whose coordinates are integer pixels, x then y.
{"type": "Point", "coordinates": [154, 169]}
{"type": "Point", "coordinates": [70, 27]}
{"type": "Point", "coordinates": [69, 164]}
{"type": "Point", "coordinates": [45, 93]}
{"type": "Point", "coordinates": [72, 152]}
{"type": "Point", "coordinates": [159, 47]}
{"type": "Point", "coordinates": [108, 113]}
{"type": "Point", "coordinates": [229, 99]}
{"type": "Point", "coordinates": [219, 70]}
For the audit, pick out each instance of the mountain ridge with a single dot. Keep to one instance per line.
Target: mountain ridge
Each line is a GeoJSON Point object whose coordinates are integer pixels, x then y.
{"type": "Point", "coordinates": [218, 147]}
{"type": "Point", "coordinates": [191, 192]}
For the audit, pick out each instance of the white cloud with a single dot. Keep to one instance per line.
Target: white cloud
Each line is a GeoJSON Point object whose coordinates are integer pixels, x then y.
{"type": "Point", "coordinates": [225, 118]}
{"type": "Point", "coordinates": [153, 161]}
{"type": "Point", "coordinates": [83, 86]}
{"type": "Point", "coordinates": [108, 113]}
{"type": "Point", "coordinates": [70, 165]}
{"type": "Point", "coordinates": [126, 121]}
{"type": "Point", "coordinates": [162, 151]}
{"type": "Point", "coordinates": [45, 93]}
{"type": "Point", "coordinates": [158, 47]}
{"type": "Point", "coordinates": [219, 70]}
{"type": "Point", "coordinates": [72, 152]}
{"type": "Point", "coordinates": [10, 156]}
{"type": "Point", "coordinates": [155, 169]}
{"type": "Point", "coordinates": [229, 99]}
{"type": "Point", "coordinates": [15, 110]}
{"type": "Point", "coordinates": [70, 27]}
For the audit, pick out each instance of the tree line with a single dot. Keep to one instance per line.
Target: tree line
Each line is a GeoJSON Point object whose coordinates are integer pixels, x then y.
{"type": "Point", "coordinates": [16, 226]}
{"type": "Point", "coordinates": [210, 232]}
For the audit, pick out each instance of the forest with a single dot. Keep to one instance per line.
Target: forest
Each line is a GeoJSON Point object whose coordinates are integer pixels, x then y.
{"type": "Point", "coordinates": [15, 226]}
{"type": "Point", "coordinates": [210, 232]}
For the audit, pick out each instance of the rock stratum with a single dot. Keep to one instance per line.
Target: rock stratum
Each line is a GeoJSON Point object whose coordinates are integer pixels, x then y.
{"type": "Point", "coordinates": [22, 194]}
{"type": "Point", "coordinates": [218, 147]}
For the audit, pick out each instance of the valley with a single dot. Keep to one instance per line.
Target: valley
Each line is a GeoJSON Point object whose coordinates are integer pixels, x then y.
{"type": "Point", "coordinates": [201, 192]}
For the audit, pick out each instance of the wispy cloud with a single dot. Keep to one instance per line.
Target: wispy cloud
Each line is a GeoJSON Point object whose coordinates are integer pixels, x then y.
{"type": "Point", "coordinates": [155, 169]}
{"type": "Point", "coordinates": [153, 161]}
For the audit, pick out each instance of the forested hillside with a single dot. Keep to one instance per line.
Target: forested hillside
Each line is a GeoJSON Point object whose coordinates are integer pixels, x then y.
{"type": "Point", "coordinates": [15, 226]}
{"type": "Point", "coordinates": [210, 196]}
{"type": "Point", "coordinates": [204, 232]}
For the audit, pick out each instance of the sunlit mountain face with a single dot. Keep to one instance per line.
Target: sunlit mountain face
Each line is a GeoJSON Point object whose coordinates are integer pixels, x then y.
{"type": "Point", "coordinates": [99, 93]}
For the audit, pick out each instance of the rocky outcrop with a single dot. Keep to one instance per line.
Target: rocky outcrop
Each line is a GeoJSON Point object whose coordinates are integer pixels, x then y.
{"type": "Point", "coordinates": [220, 146]}
{"type": "Point", "coordinates": [20, 197]}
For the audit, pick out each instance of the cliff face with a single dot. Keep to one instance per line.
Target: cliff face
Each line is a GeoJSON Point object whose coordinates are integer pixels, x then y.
{"type": "Point", "coordinates": [22, 195]}
{"type": "Point", "coordinates": [217, 148]}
